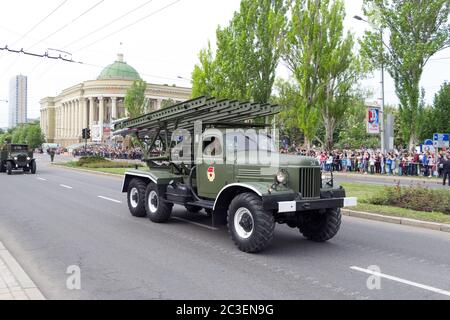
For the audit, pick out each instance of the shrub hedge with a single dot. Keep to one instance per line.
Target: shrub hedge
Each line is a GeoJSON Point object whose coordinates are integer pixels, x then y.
{"type": "Point", "coordinates": [416, 197]}
{"type": "Point", "coordinates": [100, 162]}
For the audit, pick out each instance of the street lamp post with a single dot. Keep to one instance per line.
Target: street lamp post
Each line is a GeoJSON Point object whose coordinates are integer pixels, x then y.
{"type": "Point", "coordinates": [382, 142]}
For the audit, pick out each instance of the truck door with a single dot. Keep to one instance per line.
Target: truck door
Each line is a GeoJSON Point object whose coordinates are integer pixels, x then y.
{"type": "Point", "coordinates": [212, 173]}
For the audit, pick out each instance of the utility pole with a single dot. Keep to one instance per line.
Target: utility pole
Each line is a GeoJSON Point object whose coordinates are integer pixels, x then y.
{"type": "Point", "coordinates": [383, 147]}
{"type": "Point", "coordinates": [382, 141]}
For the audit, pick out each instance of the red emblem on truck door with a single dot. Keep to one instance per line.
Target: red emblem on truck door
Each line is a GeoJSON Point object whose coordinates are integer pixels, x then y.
{"type": "Point", "coordinates": [211, 174]}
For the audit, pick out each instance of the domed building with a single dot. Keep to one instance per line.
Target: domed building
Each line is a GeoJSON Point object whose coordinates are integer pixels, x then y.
{"type": "Point", "coordinates": [96, 103]}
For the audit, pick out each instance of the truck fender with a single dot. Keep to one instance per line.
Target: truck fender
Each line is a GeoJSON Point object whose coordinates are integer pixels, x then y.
{"type": "Point", "coordinates": [226, 195]}
{"type": "Point", "coordinates": [159, 178]}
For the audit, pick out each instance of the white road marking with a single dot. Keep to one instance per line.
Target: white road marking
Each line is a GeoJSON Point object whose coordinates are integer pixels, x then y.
{"type": "Point", "coordinates": [410, 283]}
{"type": "Point", "coordinates": [64, 186]}
{"type": "Point", "coordinates": [196, 223]}
{"type": "Point", "coordinates": [109, 199]}
{"type": "Point", "coordinates": [42, 179]}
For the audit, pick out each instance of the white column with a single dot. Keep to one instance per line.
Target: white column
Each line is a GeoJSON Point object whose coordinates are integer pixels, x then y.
{"type": "Point", "coordinates": [91, 111]}
{"type": "Point", "coordinates": [77, 118]}
{"type": "Point", "coordinates": [82, 114]}
{"type": "Point", "coordinates": [114, 108]}
{"type": "Point", "coordinates": [65, 120]}
{"type": "Point", "coordinates": [101, 111]}
{"type": "Point", "coordinates": [74, 118]}
{"type": "Point", "coordinates": [70, 120]}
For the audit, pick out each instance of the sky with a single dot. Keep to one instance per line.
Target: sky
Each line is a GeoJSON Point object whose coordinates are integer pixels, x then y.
{"type": "Point", "coordinates": [159, 38]}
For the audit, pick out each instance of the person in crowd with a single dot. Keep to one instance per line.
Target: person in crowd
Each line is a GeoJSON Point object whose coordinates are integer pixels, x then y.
{"type": "Point", "coordinates": [446, 169]}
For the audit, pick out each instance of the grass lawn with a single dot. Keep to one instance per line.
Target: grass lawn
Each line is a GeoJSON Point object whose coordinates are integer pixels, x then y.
{"type": "Point", "coordinates": [365, 191]}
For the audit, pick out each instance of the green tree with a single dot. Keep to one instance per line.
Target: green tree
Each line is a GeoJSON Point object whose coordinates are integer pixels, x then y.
{"type": "Point", "coordinates": [30, 134]}
{"type": "Point", "coordinates": [167, 103]}
{"type": "Point", "coordinates": [203, 83]}
{"type": "Point", "coordinates": [353, 130]}
{"type": "Point", "coordinates": [135, 98]}
{"type": "Point", "coordinates": [247, 55]}
{"type": "Point", "coordinates": [417, 30]}
{"type": "Point", "coordinates": [34, 136]}
{"type": "Point", "coordinates": [441, 110]}
{"type": "Point", "coordinates": [320, 57]}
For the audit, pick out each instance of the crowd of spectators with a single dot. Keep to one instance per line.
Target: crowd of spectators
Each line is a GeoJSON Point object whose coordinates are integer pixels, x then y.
{"type": "Point", "coordinates": [109, 152]}
{"type": "Point", "coordinates": [368, 161]}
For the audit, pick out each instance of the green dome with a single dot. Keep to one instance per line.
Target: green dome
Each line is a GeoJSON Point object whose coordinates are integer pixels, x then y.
{"type": "Point", "coordinates": [119, 70]}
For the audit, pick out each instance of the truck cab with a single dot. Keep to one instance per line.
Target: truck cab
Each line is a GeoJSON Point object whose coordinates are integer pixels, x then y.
{"type": "Point", "coordinates": [16, 157]}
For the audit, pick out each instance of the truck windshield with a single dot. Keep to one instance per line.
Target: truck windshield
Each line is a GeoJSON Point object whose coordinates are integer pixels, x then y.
{"type": "Point", "coordinates": [238, 141]}
{"type": "Point", "coordinates": [16, 148]}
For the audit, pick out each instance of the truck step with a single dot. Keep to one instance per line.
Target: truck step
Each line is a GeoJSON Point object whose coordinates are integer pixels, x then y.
{"type": "Point", "coordinates": [206, 204]}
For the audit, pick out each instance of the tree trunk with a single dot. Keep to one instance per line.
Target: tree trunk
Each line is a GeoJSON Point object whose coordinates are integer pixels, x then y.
{"type": "Point", "coordinates": [307, 143]}
{"type": "Point", "coordinates": [329, 132]}
{"type": "Point", "coordinates": [412, 141]}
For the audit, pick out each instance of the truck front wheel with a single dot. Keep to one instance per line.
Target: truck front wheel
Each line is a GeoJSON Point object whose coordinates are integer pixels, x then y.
{"type": "Point", "coordinates": [250, 226]}
{"type": "Point", "coordinates": [157, 209]}
{"type": "Point", "coordinates": [33, 167]}
{"type": "Point", "coordinates": [9, 168]}
{"type": "Point", "coordinates": [321, 227]}
{"type": "Point", "coordinates": [136, 198]}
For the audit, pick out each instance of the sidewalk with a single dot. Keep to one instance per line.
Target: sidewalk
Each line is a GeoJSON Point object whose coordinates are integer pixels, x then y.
{"type": "Point", "coordinates": [14, 282]}
{"type": "Point", "coordinates": [386, 177]}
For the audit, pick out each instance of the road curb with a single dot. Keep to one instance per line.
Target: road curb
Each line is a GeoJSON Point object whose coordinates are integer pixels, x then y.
{"type": "Point", "coordinates": [26, 284]}
{"type": "Point", "coordinates": [397, 220]}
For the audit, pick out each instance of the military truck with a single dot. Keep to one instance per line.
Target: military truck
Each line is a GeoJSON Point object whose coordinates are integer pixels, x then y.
{"type": "Point", "coordinates": [16, 157]}
{"type": "Point", "coordinates": [202, 167]}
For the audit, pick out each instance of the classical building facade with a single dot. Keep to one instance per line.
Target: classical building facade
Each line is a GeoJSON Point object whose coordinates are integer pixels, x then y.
{"type": "Point", "coordinates": [95, 104]}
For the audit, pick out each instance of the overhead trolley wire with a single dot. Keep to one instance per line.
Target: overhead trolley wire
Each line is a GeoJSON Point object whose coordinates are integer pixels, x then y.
{"type": "Point", "coordinates": [68, 24]}
{"type": "Point", "coordinates": [108, 24]}
{"type": "Point", "coordinates": [129, 25]}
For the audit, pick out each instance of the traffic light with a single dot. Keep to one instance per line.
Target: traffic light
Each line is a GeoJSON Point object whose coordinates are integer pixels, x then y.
{"type": "Point", "coordinates": [86, 133]}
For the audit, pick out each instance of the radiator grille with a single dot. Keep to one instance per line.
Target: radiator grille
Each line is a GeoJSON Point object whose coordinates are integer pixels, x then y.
{"type": "Point", "coordinates": [310, 179]}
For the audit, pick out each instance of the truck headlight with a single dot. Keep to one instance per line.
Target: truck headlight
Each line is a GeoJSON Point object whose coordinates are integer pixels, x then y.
{"type": "Point", "coordinates": [15, 158]}
{"type": "Point", "coordinates": [28, 158]}
{"type": "Point", "coordinates": [281, 177]}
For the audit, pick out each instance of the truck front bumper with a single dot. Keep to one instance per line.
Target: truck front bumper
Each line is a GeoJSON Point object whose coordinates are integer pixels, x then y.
{"type": "Point", "coordinates": [315, 204]}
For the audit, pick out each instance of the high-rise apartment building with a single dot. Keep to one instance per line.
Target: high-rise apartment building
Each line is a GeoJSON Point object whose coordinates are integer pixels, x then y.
{"type": "Point", "coordinates": [18, 93]}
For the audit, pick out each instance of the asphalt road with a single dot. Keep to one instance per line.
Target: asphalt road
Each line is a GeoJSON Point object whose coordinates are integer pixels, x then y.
{"type": "Point", "coordinates": [59, 218]}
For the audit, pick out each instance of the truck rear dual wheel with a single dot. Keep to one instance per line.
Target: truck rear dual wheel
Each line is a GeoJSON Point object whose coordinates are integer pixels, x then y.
{"type": "Point", "coordinates": [321, 227]}
{"type": "Point", "coordinates": [136, 198]}
{"type": "Point", "coordinates": [158, 210]}
{"type": "Point", "coordinates": [250, 226]}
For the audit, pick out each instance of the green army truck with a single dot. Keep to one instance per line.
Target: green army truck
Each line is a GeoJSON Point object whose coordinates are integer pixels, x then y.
{"type": "Point", "coordinates": [16, 157]}
{"type": "Point", "coordinates": [210, 159]}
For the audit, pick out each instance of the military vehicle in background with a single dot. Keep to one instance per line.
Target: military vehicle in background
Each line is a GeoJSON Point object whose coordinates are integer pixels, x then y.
{"type": "Point", "coordinates": [16, 157]}
{"type": "Point", "coordinates": [200, 169]}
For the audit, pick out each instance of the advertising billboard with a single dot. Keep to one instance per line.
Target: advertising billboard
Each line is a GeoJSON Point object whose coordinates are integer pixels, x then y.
{"type": "Point", "coordinates": [373, 120]}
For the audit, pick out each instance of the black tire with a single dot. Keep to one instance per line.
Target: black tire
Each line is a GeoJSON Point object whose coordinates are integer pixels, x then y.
{"type": "Point", "coordinates": [158, 210]}
{"type": "Point", "coordinates": [136, 198]}
{"type": "Point", "coordinates": [2, 168]}
{"type": "Point", "coordinates": [192, 209]}
{"type": "Point", "coordinates": [321, 227]}
{"type": "Point", "coordinates": [9, 168]}
{"type": "Point", "coordinates": [33, 167]}
{"type": "Point", "coordinates": [257, 223]}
